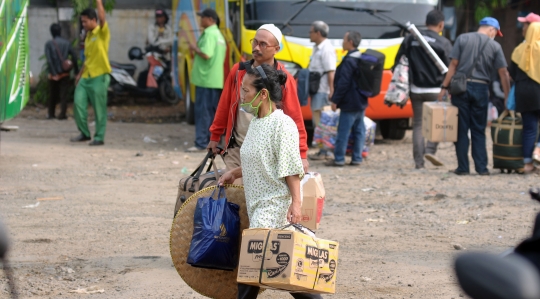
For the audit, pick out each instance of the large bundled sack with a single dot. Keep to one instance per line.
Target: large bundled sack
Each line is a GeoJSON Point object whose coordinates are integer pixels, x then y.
{"type": "Point", "coordinates": [398, 89]}
{"type": "Point", "coordinates": [506, 133]}
{"type": "Point", "coordinates": [326, 132]}
{"type": "Point", "coordinates": [371, 131]}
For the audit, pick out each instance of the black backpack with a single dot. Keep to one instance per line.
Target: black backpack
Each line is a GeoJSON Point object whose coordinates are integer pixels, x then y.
{"type": "Point", "coordinates": [370, 71]}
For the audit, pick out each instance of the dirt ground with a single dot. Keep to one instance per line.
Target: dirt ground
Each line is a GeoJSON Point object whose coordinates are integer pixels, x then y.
{"type": "Point", "coordinates": [397, 226]}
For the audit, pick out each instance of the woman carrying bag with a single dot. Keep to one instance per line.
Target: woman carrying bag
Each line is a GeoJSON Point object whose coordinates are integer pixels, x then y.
{"type": "Point", "coordinates": [525, 71]}
{"type": "Point", "coordinates": [271, 164]}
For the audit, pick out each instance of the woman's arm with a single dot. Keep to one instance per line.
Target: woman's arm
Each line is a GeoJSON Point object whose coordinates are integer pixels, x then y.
{"type": "Point", "coordinates": [230, 176]}
{"type": "Point", "coordinates": [294, 215]}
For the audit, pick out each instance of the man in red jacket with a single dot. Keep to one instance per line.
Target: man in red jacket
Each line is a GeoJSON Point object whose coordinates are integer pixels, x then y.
{"type": "Point", "coordinates": [232, 121]}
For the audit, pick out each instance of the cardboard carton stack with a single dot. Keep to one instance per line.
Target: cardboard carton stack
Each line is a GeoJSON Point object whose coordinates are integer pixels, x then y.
{"type": "Point", "coordinates": [288, 260]}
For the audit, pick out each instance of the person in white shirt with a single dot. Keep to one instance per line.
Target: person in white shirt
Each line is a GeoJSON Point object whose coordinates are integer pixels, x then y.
{"type": "Point", "coordinates": [160, 34]}
{"type": "Point", "coordinates": [323, 61]}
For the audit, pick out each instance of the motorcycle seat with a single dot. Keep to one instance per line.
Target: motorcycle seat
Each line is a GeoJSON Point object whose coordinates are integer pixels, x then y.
{"type": "Point", "coordinates": [128, 67]}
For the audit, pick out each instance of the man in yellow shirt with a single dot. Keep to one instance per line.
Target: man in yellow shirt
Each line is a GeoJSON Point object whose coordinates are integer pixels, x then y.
{"type": "Point", "coordinates": [93, 79]}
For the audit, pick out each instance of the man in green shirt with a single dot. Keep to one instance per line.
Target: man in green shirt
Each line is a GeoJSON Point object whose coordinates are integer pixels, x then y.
{"type": "Point", "coordinates": [207, 75]}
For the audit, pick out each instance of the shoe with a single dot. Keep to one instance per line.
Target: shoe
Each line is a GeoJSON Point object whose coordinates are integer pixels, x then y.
{"type": "Point", "coordinates": [62, 117]}
{"type": "Point", "coordinates": [355, 163]}
{"type": "Point", "coordinates": [96, 142]}
{"type": "Point", "coordinates": [195, 149]}
{"type": "Point", "coordinates": [334, 163]}
{"type": "Point", "coordinates": [484, 173]}
{"type": "Point", "coordinates": [51, 117]}
{"type": "Point", "coordinates": [419, 167]}
{"type": "Point", "coordinates": [80, 138]}
{"type": "Point", "coordinates": [456, 172]}
{"type": "Point", "coordinates": [431, 158]}
{"type": "Point", "coordinates": [320, 156]}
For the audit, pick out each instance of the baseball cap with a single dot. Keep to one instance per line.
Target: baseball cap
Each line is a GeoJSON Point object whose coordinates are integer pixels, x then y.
{"type": "Point", "coordinates": [489, 21]}
{"type": "Point", "coordinates": [209, 13]}
{"type": "Point", "coordinates": [274, 30]}
{"type": "Point", "coordinates": [530, 18]}
{"type": "Point", "coordinates": [160, 12]}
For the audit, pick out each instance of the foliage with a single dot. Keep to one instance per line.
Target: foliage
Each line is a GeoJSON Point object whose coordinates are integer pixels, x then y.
{"type": "Point", "coordinates": [482, 8]}
{"type": "Point", "coordinates": [80, 5]}
{"type": "Point", "coordinates": [42, 89]}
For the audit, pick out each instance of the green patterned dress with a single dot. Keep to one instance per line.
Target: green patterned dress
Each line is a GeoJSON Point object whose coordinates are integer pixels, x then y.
{"type": "Point", "coordinates": [269, 154]}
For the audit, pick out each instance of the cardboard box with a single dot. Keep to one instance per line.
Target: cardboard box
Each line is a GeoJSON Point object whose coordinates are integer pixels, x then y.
{"type": "Point", "coordinates": [326, 280]}
{"type": "Point", "coordinates": [313, 200]}
{"type": "Point", "coordinates": [439, 122]}
{"type": "Point", "coordinates": [288, 260]}
{"type": "Point", "coordinates": [251, 254]}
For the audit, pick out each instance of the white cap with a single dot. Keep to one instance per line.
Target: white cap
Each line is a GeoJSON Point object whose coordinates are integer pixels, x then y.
{"type": "Point", "coordinates": [274, 30]}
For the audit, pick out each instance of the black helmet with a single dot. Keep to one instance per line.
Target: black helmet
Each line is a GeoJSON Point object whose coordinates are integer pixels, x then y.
{"type": "Point", "coordinates": [135, 53]}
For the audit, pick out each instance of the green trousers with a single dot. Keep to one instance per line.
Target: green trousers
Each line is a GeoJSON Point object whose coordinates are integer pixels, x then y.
{"type": "Point", "coordinates": [93, 90]}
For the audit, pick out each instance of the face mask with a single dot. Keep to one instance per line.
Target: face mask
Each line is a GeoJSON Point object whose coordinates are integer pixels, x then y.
{"type": "Point", "coordinates": [246, 107]}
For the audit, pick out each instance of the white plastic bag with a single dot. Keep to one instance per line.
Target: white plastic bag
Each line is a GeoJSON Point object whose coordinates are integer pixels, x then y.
{"type": "Point", "coordinates": [398, 89]}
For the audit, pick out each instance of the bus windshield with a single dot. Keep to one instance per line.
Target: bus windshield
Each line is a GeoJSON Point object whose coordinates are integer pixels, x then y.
{"type": "Point", "coordinates": [373, 19]}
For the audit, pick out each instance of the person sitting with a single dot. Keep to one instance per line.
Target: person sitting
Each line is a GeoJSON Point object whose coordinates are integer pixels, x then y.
{"type": "Point", "coordinates": [160, 34]}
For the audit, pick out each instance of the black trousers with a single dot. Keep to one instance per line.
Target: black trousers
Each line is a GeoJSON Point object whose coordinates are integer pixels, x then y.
{"type": "Point", "coordinates": [251, 292]}
{"type": "Point", "coordinates": [58, 93]}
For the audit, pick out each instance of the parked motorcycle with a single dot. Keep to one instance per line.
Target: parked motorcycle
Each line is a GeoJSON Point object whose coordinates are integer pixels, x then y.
{"type": "Point", "coordinates": [513, 275]}
{"type": "Point", "coordinates": [154, 82]}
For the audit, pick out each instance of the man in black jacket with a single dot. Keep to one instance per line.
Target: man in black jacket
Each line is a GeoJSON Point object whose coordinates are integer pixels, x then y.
{"type": "Point", "coordinates": [352, 103]}
{"type": "Point", "coordinates": [57, 50]}
{"type": "Point", "coordinates": [425, 80]}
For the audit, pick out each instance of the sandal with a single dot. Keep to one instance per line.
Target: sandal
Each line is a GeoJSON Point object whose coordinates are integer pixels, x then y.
{"type": "Point", "coordinates": [533, 170]}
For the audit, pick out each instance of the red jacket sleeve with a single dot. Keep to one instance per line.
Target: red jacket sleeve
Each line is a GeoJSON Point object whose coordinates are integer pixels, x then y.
{"type": "Point", "coordinates": [218, 127]}
{"type": "Point", "coordinates": [291, 107]}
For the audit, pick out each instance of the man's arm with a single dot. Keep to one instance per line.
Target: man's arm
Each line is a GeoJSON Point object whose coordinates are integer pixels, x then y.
{"type": "Point", "coordinates": [342, 83]}
{"type": "Point", "coordinates": [221, 119]}
{"type": "Point", "coordinates": [151, 37]}
{"type": "Point", "coordinates": [50, 61]}
{"type": "Point", "coordinates": [505, 82]}
{"type": "Point", "coordinates": [400, 53]}
{"type": "Point", "coordinates": [208, 47]}
{"type": "Point", "coordinates": [330, 76]}
{"type": "Point", "coordinates": [100, 12]}
{"type": "Point", "coordinates": [446, 82]}
{"type": "Point", "coordinates": [78, 77]}
{"type": "Point", "coordinates": [291, 107]}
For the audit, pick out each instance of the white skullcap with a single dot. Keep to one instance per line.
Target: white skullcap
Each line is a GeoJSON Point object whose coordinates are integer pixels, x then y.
{"type": "Point", "coordinates": [272, 29]}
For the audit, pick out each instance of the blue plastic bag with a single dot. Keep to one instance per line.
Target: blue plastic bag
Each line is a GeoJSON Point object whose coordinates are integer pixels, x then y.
{"type": "Point", "coordinates": [216, 234]}
{"type": "Point", "coordinates": [511, 101]}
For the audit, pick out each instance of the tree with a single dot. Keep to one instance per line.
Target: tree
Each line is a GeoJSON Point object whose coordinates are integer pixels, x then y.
{"type": "Point", "coordinates": [481, 8]}
{"type": "Point", "coordinates": [80, 5]}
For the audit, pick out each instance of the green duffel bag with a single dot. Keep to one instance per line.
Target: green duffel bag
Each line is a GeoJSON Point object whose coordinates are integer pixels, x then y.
{"type": "Point", "coordinates": [506, 133]}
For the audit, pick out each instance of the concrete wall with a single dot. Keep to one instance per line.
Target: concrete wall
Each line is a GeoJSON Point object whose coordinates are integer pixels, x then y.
{"type": "Point", "coordinates": [128, 29]}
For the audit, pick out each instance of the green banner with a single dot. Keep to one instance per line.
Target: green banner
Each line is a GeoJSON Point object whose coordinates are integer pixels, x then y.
{"type": "Point", "coordinates": [14, 58]}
